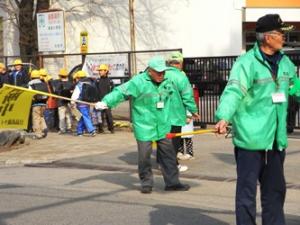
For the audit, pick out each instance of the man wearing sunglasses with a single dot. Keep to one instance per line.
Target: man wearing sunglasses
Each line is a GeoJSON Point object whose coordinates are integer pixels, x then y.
{"type": "Point", "coordinates": [255, 102]}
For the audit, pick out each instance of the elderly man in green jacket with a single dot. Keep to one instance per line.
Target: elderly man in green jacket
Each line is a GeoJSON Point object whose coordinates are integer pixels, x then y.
{"type": "Point", "coordinates": [181, 102]}
{"type": "Point", "coordinates": [255, 102]}
{"type": "Point", "coordinates": [150, 93]}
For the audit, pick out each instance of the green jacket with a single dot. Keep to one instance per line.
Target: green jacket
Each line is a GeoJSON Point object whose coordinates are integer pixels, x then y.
{"type": "Point", "coordinates": [247, 101]}
{"type": "Point", "coordinates": [149, 122]}
{"type": "Point", "coordinates": [182, 99]}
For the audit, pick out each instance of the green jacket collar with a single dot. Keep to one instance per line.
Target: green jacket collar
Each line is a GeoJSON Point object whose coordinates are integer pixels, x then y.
{"type": "Point", "coordinates": [258, 55]}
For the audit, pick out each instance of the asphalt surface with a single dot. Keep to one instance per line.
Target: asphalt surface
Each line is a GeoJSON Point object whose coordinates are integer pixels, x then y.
{"type": "Point", "coordinates": [214, 158]}
{"type": "Point", "coordinates": [65, 179]}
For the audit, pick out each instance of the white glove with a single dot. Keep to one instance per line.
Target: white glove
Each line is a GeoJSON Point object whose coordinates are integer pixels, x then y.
{"type": "Point", "coordinates": [101, 105]}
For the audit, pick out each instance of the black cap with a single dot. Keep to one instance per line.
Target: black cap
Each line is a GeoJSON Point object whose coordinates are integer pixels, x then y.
{"type": "Point", "coordinates": [271, 22]}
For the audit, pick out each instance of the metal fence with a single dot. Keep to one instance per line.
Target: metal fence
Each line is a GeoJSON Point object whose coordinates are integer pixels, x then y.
{"type": "Point", "coordinates": [210, 75]}
{"type": "Point", "coordinates": [74, 62]}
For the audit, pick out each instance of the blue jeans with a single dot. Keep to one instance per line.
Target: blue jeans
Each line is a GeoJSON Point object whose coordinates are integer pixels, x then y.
{"type": "Point", "coordinates": [85, 122]}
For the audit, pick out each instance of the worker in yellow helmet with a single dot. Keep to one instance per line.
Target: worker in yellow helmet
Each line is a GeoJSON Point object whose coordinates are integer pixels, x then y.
{"type": "Point", "coordinates": [83, 90]}
{"type": "Point", "coordinates": [18, 76]}
{"type": "Point", "coordinates": [39, 103]}
{"type": "Point", "coordinates": [65, 89]}
{"type": "Point", "coordinates": [52, 108]}
{"type": "Point", "coordinates": [105, 86]}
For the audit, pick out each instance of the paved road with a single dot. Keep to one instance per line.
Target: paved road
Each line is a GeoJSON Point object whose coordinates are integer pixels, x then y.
{"type": "Point", "coordinates": [59, 196]}
{"type": "Point", "coordinates": [85, 180]}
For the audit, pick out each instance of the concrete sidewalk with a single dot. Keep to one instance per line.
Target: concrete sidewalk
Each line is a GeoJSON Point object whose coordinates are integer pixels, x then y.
{"type": "Point", "coordinates": [214, 158]}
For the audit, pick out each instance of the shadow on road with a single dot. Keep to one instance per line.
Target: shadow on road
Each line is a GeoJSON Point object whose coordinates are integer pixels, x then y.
{"type": "Point", "coordinates": [131, 158]}
{"type": "Point", "coordinates": [225, 157]}
{"type": "Point", "coordinates": [176, 215]}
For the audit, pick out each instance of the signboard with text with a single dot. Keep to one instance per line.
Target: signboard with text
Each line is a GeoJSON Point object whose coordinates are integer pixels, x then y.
{"type": "Point", "coordinates": [118, 65]}
{"type": "Point", "coordinates": [51, 34]}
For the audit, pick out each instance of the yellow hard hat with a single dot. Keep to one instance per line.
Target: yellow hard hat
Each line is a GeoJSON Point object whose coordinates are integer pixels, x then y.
{"type": "Point", "coordinates": [35, 74]}
{"type": "Point", "coordinates": [48, 77]}
{"type": "Point", "coordinates": [43, 72]}
{"type": "Point", "coordinates": [80, 74]}
{"type": "Point", "coordinates": [103, 67]}
{"type": "Point", "coordinates": [63, 72]}
{"type": "Point", "coordinates": [2, 66]}
{"type": "Point", "coordinates": [18, 62]}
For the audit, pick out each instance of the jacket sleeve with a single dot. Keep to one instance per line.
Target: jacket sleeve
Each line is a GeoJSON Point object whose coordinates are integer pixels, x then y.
{"type": "Point", "coordinates": [294, 89]}
{"type": "Point", "coordinates": [121, 94]}
{"type": "Point", "coordinates": [187, 95]}
{"type": "Point", "coordinates": [240, 80]}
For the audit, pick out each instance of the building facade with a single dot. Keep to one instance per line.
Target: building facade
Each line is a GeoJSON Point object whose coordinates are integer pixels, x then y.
{"type": "Point", "coordinates": [199, 27]}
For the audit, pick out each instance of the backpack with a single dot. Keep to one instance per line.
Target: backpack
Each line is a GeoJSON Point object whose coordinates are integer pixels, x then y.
{"type": "Point", "coordinates": [89, 92]}
{"type": "Point", "coordinates": [66, 89]}
{"type": "Point", "coordinates": [40, 87]}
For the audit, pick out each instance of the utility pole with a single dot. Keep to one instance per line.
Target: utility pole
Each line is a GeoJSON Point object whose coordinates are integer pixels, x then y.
{"type": "Point", "coordinates": [132, 37]}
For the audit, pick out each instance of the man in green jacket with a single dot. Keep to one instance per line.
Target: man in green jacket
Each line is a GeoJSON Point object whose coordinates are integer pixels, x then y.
{"type": "Point", "coordinates": [181, 102]}
{"type": "Point", "coordinates": [255, 102]}
{"type": "Point", "coordinates": [150, 93]}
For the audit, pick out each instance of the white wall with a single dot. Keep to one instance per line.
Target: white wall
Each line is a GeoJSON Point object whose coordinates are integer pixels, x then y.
{"type": "Point", "coordinates": [10, 36]}
{"type": "Point", "coordinates": [199, 27]}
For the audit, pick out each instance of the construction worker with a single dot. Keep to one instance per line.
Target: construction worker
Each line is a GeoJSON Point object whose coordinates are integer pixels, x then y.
{"type": "Point", "coordinates": [18, 76]}
{"type": "Point", "coordinates": [51, 112]}
{"type": "Point", "coordinates": [105, 85]}
{"type": "Point", "coordinates": [65, 89]}
{"type": "Point", "coordinates": [39, 126]}
{"type": "Point", "coordinates": [3, 75]}
{"type": "Point", "coordinates": [85, 122]}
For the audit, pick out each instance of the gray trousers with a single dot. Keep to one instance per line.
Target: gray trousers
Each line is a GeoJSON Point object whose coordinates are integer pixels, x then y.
{"type": "Point", "coordinates": [166, 158]}
{"type": "Point", "coordinates": [65, 121]}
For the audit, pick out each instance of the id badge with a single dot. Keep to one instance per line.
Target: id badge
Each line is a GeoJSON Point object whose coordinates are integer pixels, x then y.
{"type": "Point", "coordinates": [160, 105]}
{"type": "Point", "coordinates": [278, 97]}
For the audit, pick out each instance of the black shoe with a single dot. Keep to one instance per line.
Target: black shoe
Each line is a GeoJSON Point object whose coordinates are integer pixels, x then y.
{"type": "Point", "coordinates": [61, 132]}
{"type": "Point", "coordinates": [100, 128]}
{"type": "Point", "coordinates": [69, 131]}
{"type": "Point", "coordinates": [290, 130]}
{"type": "Point", "coordinates": [112, 131]}
{"type": "Point", "coordinates": [45, 133]}
{"type": "Point", "coordinates": [146, 190]}
{"type": "Point", "coordinates": [178, 187]}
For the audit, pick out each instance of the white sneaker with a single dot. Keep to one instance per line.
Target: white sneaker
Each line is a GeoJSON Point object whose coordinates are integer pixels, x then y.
{"type": "Point", "coordinates": [182, 168]}
{"type": "Point", "coordinates": [186, 157]}
{"type": "Point", "coordinates": [191, 157]}
{"type": "Point", "coordinates": [180, 155]}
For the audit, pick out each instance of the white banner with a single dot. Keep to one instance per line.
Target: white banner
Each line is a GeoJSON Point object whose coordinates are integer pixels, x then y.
{"type": "Point", "coordinates": [118, 64]}
{"type": "Point", "coordinates": [51, 34]}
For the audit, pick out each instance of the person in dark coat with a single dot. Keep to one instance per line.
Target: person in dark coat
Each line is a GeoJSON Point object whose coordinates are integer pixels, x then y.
{"type": "Point", "coordinates": [105, 86]}
{"type": "Point", "coordinates": [3, 75]}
